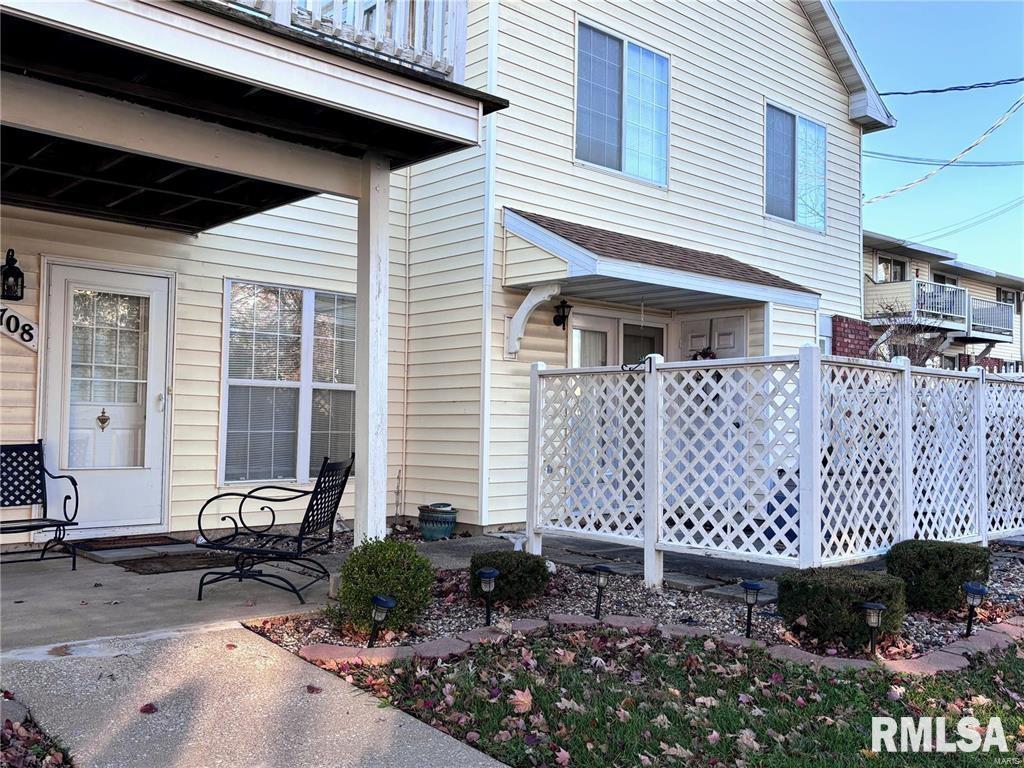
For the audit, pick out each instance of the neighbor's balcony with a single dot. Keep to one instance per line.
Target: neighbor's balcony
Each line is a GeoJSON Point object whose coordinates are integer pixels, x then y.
{"type": "Point", "coordinates": [991, 320]}
{"type": "Point", "coordinates": [944, 307]}
{"type": "Point", "coordinates": [429, 35]}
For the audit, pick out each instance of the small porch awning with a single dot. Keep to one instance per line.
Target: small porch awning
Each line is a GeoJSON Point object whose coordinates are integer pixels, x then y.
{"type": "Point", "coordinates": [548, 256]}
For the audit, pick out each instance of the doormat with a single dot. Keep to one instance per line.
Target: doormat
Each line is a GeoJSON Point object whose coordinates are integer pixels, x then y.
{"type": "Point", "coordinates": [123, 542]}
{"type": "Point", "coordinates": [190, 561]}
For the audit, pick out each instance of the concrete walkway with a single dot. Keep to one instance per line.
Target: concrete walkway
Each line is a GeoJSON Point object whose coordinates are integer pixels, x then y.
{"type": "Point", "coordinates": [246, 706]}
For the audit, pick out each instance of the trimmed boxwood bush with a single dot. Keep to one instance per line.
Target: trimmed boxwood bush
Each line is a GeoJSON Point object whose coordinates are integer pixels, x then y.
{"type": "Point", "coordinates": [936, 570]}
{"type": "Point", "coordinates": [523, 576]}
{"type": "Point", "coordinates": [829, 600]}
{"type": "Point", "coordinates": [385, 567]}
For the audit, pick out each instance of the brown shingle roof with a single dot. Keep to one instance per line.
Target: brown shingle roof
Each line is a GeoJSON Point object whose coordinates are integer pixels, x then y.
{"type": "Point", "coordinates": [615, 245]}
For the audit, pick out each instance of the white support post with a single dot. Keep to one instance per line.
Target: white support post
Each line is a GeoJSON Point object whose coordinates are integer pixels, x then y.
{"type": "Point", "coordinates": [371, 436]}
{"type": "Point", "coordinates": [907, 525]}
{"type": "Point", "coordinates": [534, 540]}
{"type": "Point", "coordinates": [654, 558]}
{"type": "Point", "coordinates": [810, 456]}
{"type": "Point", "coordinates": [981, 450]}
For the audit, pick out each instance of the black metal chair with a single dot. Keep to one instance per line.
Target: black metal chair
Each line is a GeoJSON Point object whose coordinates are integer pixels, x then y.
{"type": "Point", "coordinates": [254, 545]}
{"type": "Point", "coordinates": [23, 476]}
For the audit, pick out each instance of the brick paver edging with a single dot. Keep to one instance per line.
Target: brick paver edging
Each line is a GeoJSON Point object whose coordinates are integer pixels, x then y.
{"type": "Point", "coordinates": [947, 659]}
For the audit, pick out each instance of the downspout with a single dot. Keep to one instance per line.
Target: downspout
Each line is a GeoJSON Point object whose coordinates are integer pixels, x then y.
{"type": "Point", "coordinates": [487, 279]}
{"type": "Point", "coordinates": [403, 476]}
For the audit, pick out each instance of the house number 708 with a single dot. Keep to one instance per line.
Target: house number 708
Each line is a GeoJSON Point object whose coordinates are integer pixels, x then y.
{"type": "Point", "coordinates": [18, 328]}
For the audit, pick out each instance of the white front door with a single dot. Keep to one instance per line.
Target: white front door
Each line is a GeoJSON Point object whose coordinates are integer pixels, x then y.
{"type": "Point", "coordinates": [726, 337]}
{"type": "Point", "coordinates": [106, 383]}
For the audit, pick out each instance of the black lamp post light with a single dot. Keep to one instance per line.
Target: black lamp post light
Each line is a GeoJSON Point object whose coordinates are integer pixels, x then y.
{"type": "Point", "coordinates": [381, 605]}
{"type": "Point", "coordinates": [603, 573]}
{"type": "Point", "coordinates": [750, 592]}
{"type": "Point", "coordinates": [487, 578]}
{"type": "Point", "coordinates": [873, 618]}
{"type": "Point", "coordinates": [975, 594]}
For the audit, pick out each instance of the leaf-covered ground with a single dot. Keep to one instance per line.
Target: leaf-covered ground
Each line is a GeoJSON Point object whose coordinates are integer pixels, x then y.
{"type": "Point", "coordinates": [24, 745]}
{"type": "Point", "coordinates": [585, 699]}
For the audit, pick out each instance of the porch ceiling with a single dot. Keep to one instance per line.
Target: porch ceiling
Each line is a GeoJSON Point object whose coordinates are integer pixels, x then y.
{"type": "Point", "coordinates": [619, 291]}
{"type": "Point", "coordinates": [33, 49]}
{"type": "Point", "coordinates": [47, 172]}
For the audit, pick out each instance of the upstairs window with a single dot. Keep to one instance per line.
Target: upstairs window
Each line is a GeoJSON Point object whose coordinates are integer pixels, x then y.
{"type": "Point", "coordinates": [622, 94]}
{"type": "Point", "coordinates": [795, 154]}
{"type": "Point", "coordinates": [891, 270]}
{"type": "Point", "coordinates": [290, 392]}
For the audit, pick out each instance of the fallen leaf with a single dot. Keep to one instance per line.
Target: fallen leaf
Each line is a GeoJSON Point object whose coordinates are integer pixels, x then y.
{"type": "Point", "coordinates": [714, 737]}
{"type": "Point", "coordinates": [313, 689]}
{"type": "Point", "coordinates": [230, 646]}
{"type": "Point", "coordinates": [522, 701]}
{"type": "Point", "coordinates": [709, 645]}
{"type": "Point", "coordinates": [147, 709]}
{"type": "Point", "coordinates": [472, 737]}
{"type": "Point", "coordinates": [562, 757]}
{"type": "Point", "coordinates": [747, 741]}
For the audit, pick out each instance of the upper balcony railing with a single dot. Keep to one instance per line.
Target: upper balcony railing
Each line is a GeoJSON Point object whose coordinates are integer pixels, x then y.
{"type": "Point", "coordinates": [429, 35]}
{"type": "Point", "coordinates": [940, 300]}
{"type": "Point", "coordinates": [991, 316]}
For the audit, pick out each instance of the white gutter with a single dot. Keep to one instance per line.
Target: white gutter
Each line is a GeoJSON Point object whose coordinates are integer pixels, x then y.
{"type": "Point", "coordinates": [487, 279]}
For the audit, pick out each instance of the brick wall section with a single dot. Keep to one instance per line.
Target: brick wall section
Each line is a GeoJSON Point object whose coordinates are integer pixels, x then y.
{"type": "Point", "coordinates": [990, 364]}
{"type": "Point", "coordinates": [850, 337]}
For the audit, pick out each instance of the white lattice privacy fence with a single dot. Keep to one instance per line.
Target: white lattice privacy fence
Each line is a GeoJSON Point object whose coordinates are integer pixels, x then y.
{"type": "Point", "coordinates": [795, 460]}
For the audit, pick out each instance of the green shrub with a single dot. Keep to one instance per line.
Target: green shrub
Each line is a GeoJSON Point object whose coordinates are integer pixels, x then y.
{"type": "Point", "coordinates": [523, 576]}
{"type": "Point", "coordinates": [936, 570]}
{"type": "Point", "coordinates": [829, 600]}
{"type": "Point", "coordinates": [385, 567]}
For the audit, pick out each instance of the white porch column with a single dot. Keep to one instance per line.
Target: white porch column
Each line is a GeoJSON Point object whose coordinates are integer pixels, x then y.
{"type": "Point", "coordinates": [371, 437]}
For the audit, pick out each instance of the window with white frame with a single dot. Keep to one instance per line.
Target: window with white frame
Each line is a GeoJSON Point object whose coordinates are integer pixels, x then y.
{"type": "Point", "coordinates": [622, 93]}
{"type": "Point", "coordinates": [795, 159]}
{"type": "Point", "coordinates": [290, 361]}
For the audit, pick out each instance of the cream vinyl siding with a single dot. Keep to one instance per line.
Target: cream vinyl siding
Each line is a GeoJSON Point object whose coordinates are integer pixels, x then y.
{"type": "Point", "coordinates": [727, 61]}
{"type": "Point", "coordinates": [307, 244]}
{"type": "Point", "coordinates": [792, 328]}
{"type": "Point", "coordinates": [524, 263]}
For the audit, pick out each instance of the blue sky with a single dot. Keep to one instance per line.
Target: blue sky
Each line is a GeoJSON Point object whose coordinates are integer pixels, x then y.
{"type": "Point", "coordinates": [926, 44]}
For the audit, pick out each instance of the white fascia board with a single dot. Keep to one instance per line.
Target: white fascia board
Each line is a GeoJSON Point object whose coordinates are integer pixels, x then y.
{"type": "Point", "coordinates": [880, 241]}
{"type": "Point", "coordinates": [580, 260]}
{"type": "Point", "coordinates": [692, 281]}
{"type": "Point", "coordinates": [56, 110]}
{"type": "Point", "coordinates": [201, 40]}
{"type": "Point", "coordinates": [585, 263]}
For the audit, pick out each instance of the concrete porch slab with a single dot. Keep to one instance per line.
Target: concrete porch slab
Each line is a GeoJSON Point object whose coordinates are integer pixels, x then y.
{"type": "Point", "coordinates": [223, 697]}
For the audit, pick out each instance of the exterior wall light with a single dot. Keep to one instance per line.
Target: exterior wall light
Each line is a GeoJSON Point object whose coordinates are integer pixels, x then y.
{"type": "Point", "coordinates": [13, 279]}
{"type": "Point", "coordinates": [975, 594]}
{"type": "Point", "coordinates": [562, 310]}
{"type": "Point", "coordinates": [873, 618]}
{"type": "Point", "coordinates": [603, 573]}
{"type": "Point", "coordinates": [750, 592]}
{"type": "Point", "coordinates": [487, 578]}
{"type": "Point", "coordinates": [381, 605]}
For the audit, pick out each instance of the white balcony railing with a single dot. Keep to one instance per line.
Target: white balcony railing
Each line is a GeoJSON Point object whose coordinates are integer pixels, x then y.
{"type": "Point", "coordinates": [425, 34]}
{"type": "Point", "coordinates": [991, 316]}
{"type": "Point", "coordinates": [941, 301]}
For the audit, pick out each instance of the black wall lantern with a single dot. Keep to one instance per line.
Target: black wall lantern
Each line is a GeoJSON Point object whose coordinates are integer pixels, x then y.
{"type": "Point", "coordinates": [562, 310]}
{"type": "Point", "coordinates": [12, 278]}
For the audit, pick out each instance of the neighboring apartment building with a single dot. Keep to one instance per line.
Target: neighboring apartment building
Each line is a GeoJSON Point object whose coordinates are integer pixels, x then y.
{"type": "Point", "coordinates": [974, 313]}
{"type": "Point", "coordinates": [686, 176]}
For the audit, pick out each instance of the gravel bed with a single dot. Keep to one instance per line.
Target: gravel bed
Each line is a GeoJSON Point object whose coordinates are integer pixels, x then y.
{"type": "Point", "coordinates": [571, 591]}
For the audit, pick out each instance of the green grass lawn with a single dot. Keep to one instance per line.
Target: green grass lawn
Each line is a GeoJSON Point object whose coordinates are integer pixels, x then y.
{"type": "Point", "coordinates": [603, 699]}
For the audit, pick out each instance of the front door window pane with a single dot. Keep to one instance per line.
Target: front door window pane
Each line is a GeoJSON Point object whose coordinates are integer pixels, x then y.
{"type": "Point", "coordinates": [639, 341]}
{"type": "Point", "coordinates": [589, 348]}
{"type": "Point", "coordinates": [109, 339]}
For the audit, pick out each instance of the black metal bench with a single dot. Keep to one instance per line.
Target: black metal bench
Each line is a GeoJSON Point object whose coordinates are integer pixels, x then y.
{"type": "Point", "coordinates": [254, 545]}
{"type": "Point", "coordinates": [23, 476]}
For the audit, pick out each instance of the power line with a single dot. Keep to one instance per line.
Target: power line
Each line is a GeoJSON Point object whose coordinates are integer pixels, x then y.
{"type": "Point", "coordinates": [993, 84]}
{"type": "Point", "coordinates": [992, 129]}
{"type": "Point", "coordinates": [935, 161]}
{"type": "Point", "coordinates": [969, 223]}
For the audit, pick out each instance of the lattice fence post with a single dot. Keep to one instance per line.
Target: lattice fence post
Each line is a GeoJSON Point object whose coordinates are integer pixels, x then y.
{"type": "Point", "coordinates": [981, 446]}
{"type": "Point", "coordinates": [810, 456]}
{"type": "Point", "coordinates": [533, 461]}
{"type": "Point", "coordinates": [906, 403]}
{"type": "Point", "coordinates": [654, 558]}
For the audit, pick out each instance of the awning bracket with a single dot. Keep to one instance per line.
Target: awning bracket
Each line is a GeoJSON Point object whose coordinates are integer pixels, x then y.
{"type": "Point", "coordinates": [517, 325]}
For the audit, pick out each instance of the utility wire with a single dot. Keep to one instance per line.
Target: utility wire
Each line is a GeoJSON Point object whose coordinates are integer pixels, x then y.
{"type": "Point", "coordinates": [993, 84]}
{"type": "Point", "coordinates": [992, 129]}
{"type": "Point", "coordinates": [970, 223]}
{"type": "Point", "coordinates": [935, 161]}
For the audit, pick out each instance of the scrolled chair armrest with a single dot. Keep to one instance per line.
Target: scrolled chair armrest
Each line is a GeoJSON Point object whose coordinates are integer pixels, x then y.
{"type": "Point", "coordinates": [237, 520]}
{"type": "Point", "coordinates": [68, 498]}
